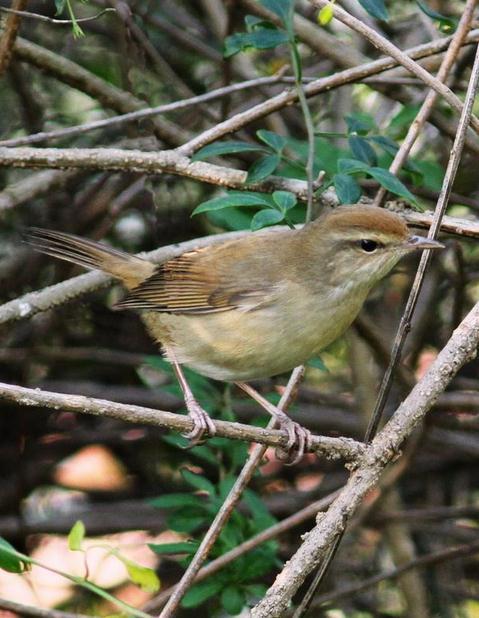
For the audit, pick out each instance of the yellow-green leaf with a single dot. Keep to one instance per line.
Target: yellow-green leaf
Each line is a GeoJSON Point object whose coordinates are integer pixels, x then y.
{"type": "Point", "coordinates": [76, 536]}
{"type": "Point", "coordinates": [145, 577]}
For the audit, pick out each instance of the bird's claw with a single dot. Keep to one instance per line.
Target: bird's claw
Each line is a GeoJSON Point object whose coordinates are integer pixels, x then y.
{"type": "Point", "coordinates": [203, 426]}
{"type": "Point", "coordinates": [300, 441]}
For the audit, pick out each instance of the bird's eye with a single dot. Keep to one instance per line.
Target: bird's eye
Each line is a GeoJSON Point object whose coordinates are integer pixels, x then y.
{"type": "Point", "coordinates": [369, 246]}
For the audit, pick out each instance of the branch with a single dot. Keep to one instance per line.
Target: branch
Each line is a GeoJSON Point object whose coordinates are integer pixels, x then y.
{"type": "Point", "coordinates": [330, 447]}
{"type": "Point", "coordinates": [165, 161]}
{"type": "Point", "coordinates": [9, 34]}
{"type": "Point", "coordinates": [460, 349]}
{"type": "Point", "coordinates": [20, 609]}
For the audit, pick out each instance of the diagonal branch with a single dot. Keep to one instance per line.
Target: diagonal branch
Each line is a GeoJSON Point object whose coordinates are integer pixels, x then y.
{"type": "Point", "coordinates": [229, 504]}
{"type": "Point", "coordinates": [461, 348]}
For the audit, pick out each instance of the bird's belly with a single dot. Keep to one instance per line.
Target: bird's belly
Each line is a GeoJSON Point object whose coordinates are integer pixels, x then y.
{"type": "Point", "coordinates": [236, 346]}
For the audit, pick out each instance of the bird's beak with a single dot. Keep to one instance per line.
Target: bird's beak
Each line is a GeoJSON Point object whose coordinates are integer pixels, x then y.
{"type": "Point", "coordinates": [420, 242]}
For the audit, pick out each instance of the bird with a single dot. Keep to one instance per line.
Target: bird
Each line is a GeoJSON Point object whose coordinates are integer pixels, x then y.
{"type": "Point", "coordinates": [256, 306]}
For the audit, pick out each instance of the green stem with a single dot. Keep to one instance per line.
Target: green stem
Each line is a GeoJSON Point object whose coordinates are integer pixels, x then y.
{"type": "Point", "coordinates": [308, 120]}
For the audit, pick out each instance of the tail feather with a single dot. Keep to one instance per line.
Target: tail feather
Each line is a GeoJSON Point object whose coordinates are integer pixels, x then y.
{"type": "Point", "coordinates": [131, 270]}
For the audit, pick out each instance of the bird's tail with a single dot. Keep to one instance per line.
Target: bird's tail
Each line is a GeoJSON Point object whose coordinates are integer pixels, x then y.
{"type": "Point", "coordinates": [131, 270]}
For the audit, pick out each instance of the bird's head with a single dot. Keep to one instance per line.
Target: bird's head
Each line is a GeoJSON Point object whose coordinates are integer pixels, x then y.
{"type": "Point", "coordinates": [363, 243]}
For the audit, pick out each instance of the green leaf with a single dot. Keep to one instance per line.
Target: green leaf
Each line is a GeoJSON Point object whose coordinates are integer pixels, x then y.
{"type": "Point", "coordinates": [233, 198]}
{"type": "Point", "coordinates": [261, 516]}
{"type": "Point", "coordinates": [376, 8]}
{"type": "Point", "coordinates": [143, 576]}
{"type": "Point", "coordinates": [360, 123]}
{"type": "Point", "coordinates": [446, 24]}
{"type": "Point", "coordinates": [262, 168]}
{"type": "Point", "coordinates": [282, 8]}
{"type": "Point", "coordinates": [229, 219]}
{"type": "Point", "coordinates": [273, 140]}
{"type": "Point", "coordinates": [205, 453]}
{"type": "Point", "coordinates": [198, 481]}
{"type": "Point", "coordinates": [187, 547]}
{"type": "Point", "coordinates": [10, 559]}
{"type": "Point", "coordinates": [352, 166]}
{"type": "Point", "coordinates": [201, 592]}
{"type": "Point", "coordinates": [385, 143]}
{"type": "Point", "coordinates": [186, 523]}
{"type": "Point", "coordinates": [76, 536]}
{"type": "Point", "coordinates": [285, 200]}
{"type": "Point", "coordinates": [225, 486]}
{"type": "Point", "coordinates": [362, 150]}
{"type": "Point", "coordinates": [222, 148]}
{"type": "Point", "coordinates": [391, 183]}
{"type": "Point", "coordinates": [261, 38]}
{"type": "Point", "coordinates": [232, 600]}
{"type": "Point", "coordinates": [252, 21]}
{"type": "Point", "coordinates": [401, 122]}
{"type": "Point", "coordinates": [266, 217]}
{"type": "Point", "coordinates": [256, 590]}
{"type": "Point", "coordinates": [347, 189]}
{"type": "Point", "coordinates": [326, 14]}
{"type": "Point", "coordinates": [174, 501]}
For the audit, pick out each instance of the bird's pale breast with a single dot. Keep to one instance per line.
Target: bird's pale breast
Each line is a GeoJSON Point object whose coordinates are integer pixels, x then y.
{"type": "Point", "coordinates": [243, 345]}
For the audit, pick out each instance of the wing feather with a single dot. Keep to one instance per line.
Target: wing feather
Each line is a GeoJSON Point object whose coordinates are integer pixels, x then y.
{"type": "Point", "coordinates": [186, 285]}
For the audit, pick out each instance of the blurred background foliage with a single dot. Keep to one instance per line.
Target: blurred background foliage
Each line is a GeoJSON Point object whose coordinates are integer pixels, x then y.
{"type": "Point", "coordinates": [58, 468]}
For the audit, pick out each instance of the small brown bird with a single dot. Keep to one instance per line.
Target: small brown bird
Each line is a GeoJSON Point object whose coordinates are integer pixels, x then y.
{"type": "Point", "coordinates": [257, 306]}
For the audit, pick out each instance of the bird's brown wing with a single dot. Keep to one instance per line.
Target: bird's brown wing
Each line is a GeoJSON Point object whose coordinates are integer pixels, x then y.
{"type": "Point", "coordinates": [187, 285]}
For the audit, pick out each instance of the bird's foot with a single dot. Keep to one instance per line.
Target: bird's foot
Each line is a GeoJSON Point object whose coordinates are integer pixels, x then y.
{"type": "Point", "coordinates": [299, 442]}
{"type": "Point", "coordinates": [203, 426]}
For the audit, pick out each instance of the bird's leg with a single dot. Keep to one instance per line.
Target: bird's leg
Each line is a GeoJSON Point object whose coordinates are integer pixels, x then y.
{"type": "Point", "coordinates": [202, 423]}
{"type": "Point", "coordinates": [299, 438]}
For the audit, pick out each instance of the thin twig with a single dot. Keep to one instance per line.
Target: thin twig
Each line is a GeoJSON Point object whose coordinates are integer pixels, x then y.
{"type": "Point", "coordinates": [229, 504]}
{"type": "Point", "coordinates": [440, 209]}
{"type": "Point", "coordinates": [400, 158]}
{"type": "Point", "coordinates": [52, 20]}
{"type": "Point", "coordinates": [452, 553]}
{"type": "Point", "coordinates": [147, 112]}
{"type": "Point", "coordinates": [8, 34]}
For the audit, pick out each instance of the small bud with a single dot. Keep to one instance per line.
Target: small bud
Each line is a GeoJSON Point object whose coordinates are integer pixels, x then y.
{"type": "Point", "coordinates": [325, 15]}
